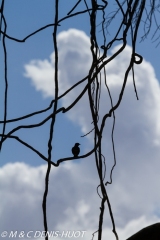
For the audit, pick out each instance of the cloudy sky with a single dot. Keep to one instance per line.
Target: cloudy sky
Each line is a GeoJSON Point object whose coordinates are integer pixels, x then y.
{"type": "Point", "coordinates": [73, 203]}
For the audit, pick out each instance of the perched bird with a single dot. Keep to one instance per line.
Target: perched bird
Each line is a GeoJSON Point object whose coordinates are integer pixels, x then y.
{"type": "Point", "coordinates": [76, 149]}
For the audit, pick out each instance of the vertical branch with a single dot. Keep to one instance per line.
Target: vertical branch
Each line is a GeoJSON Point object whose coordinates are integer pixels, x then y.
{"type": "Point", "coordinates": [94, 50]}
{"type": "Point", "coordinates": [113, 126]}
{"type": "Point", "coordinates": [102, 208]}
{"type": "Point", "coordinates": [1, 10]}
{"type": "Point", "coordinates": [103, 200]}
{"type": "Point", "coordinates": [6, 81]}
{"type": "Point", "coordinates": [98, 157]}
{"type": "Point", "coordinates": [52, 122]}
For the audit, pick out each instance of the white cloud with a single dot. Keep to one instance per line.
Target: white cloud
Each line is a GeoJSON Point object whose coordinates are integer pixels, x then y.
{"type": "Point", "coordinates": [73, 202]}
{"type": "Point", "coordinates": [22, 189]}
{"type": "Point", "coordinates": [74, 62]}
{"type": "Point", "coordinates": [40, 70]}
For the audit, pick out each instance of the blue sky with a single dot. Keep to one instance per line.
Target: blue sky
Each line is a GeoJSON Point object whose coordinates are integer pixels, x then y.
{"type": "Point", "coordinates": [73, 185]}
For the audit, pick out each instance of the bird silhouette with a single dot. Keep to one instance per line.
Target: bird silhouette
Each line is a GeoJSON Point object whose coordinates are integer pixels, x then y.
{"type": "Point", "coordinates": [76, 149]}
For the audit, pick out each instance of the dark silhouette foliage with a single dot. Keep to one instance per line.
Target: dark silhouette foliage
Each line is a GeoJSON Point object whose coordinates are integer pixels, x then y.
{"type": "Point", "coordinates": [147, 233]}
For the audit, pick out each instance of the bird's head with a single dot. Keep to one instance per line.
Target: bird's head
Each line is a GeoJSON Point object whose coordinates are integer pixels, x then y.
{"type": "Point", "coordinates": [77, 144]}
